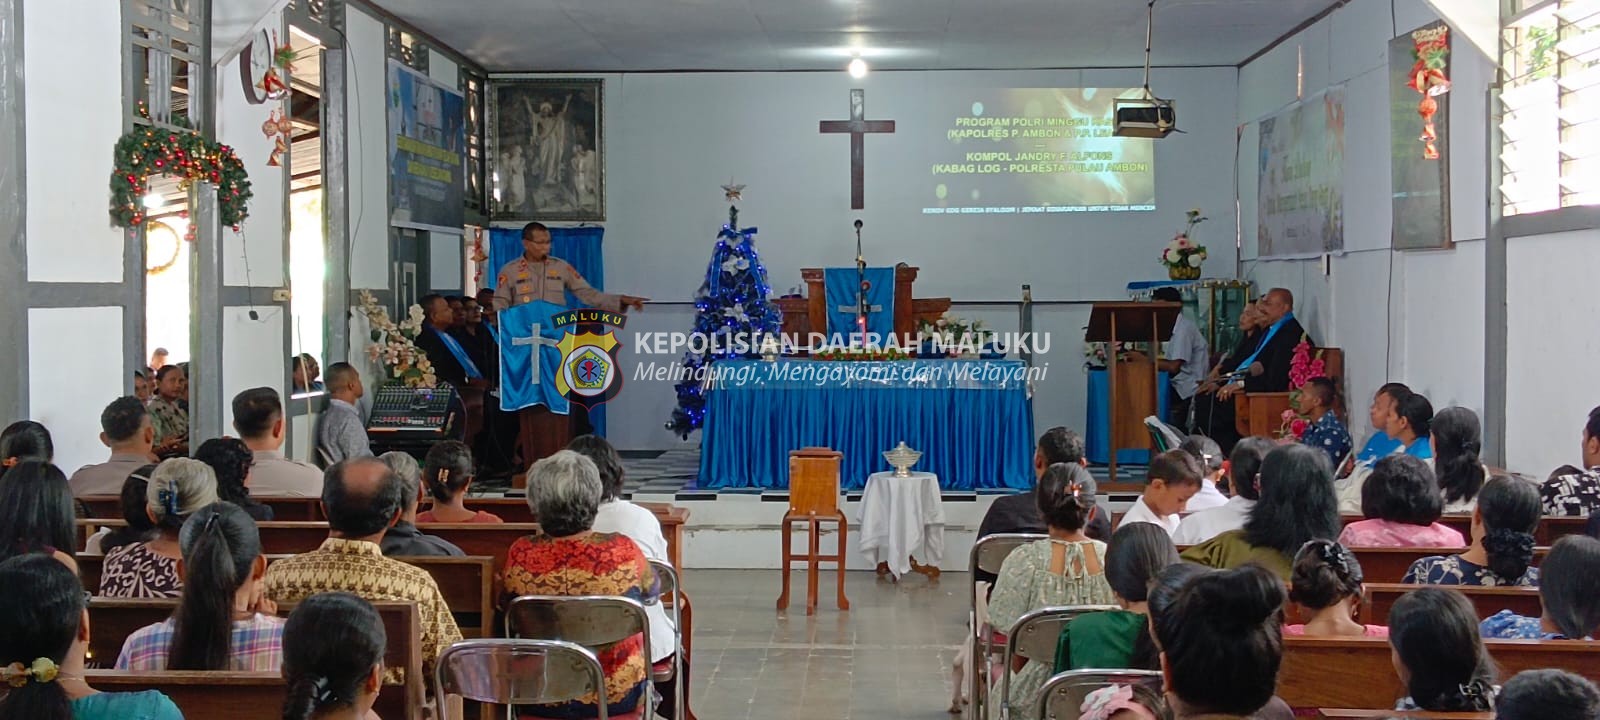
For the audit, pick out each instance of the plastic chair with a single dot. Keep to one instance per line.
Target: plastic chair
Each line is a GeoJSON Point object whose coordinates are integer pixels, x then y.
{"type": "Point", "coordinates": [988, 554]}
{"type": "Point", "coordinates": [668, 577]}
{"type": "Point", "coordinates": [1062, 696]}
{"type": "Point", "coordinates": [593, 621]}
{"type": "Point", "coordinates": [1035, 637]}
{"type": "Point", "coordinates": [516, 672]}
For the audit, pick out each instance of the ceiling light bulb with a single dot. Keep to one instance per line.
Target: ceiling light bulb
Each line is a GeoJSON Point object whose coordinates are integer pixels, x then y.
{"type": "Point", "coordinates": [153, 200]}
{"type": "Point", "coordinates": [858, 68]}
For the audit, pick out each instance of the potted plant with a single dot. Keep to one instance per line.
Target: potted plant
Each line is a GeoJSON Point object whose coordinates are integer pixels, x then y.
{"type": "Point", "coordinates": [1182, 256]}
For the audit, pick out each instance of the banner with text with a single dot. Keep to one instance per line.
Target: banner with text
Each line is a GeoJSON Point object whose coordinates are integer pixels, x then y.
{"type": "Point", "coordinates": [427, 150]}
{"type": "Point", "coordinates": [1301, 181]}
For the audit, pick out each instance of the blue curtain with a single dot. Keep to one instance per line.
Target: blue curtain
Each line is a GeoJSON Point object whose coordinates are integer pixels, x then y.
{"type": "Point", "coordinates": [580, 246]}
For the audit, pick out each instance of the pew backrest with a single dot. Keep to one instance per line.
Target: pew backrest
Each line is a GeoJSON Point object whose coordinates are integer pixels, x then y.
{"type": "Point", "coordinates": [1358, 673]}
{"type": "Point", "coordinates": [1380, 598]}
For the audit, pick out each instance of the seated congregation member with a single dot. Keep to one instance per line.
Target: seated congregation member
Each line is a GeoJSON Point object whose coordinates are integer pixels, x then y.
{"type": "Point", "coordinates": [177, 489]}
{"type": "Point", "coordinates": [306, 372]}
{"type": "Point", "coordinates": [138, 526]}
{"type": "Point", "coordinates": [1221, 642]}
{"type": "Point", "coordinates": [1244, 479]}
{"type": "Point", "coordinates": [1412, 426]}
{"type": "Point", "coordinates": [404, 539]}
{"type": "Point", "coordinates": [1250, 328]}
{"type": "Point", "coordinates": [1401, 503]}
{"type": "Point", "coordinates": [36, 512]}
{"type": "Point", "coordinates": [333, 646]}
{"type": "Point", "coordinates": [125, 428]}
{"type": "Point", "coordinates": [1385, 403]}
{"type": "Point", "coordinates": [1172, 478]}
{"type": "Point", "coordinates": [1438, 654]}
{"type": "Point", "coordinates": [362, 498]}
{"type": "Point", "coordinates": [221, 622]}
{"type": "Point", "coordinates": [1547, 695]}
{"type": "Point", "coordinates": [1265, 369]}
{"type": "Point", "coordinates": [1121, 638]}
{"type": "Point", "coordinates": [1204, 450]}
{"type": "Point", "coordinates": [450, 358]}
{"type": "Point", "coordinates": [1067, 568]}
{"type": "Point", "coordinates": [621, 517]}
{"type": "Point", "coordinates": [1019, 512]}
{"type": "Point", "coordinates": [1296, 507]}
{"type": "Point", "coordinates": [1569, 590]}
{"type": "Point", "coordinates": [169, 412]}
{"type": "Point", "coordinates": [25, 440]}
{"type": "Point", "coordinates": [1319, 399]}
{"type": "Point", "coordinates": [258, 417]}
{"type": "Point", "coordinates": [1456, 439]}
{"type": "Point", "coordinates": [569, 557]}
{"type": "Point", "coordinates": [44, 637]}
{"type": "Point", "coordinates": [143, 388]}
{"type": "Point", "coordinates": [341, 431]}
{"type": "Point", "coordinates": [447, 475]}
{"type": "Point", "coordinates": [1501, 552]}
{"type": "Point", "coordinates": [1327, 581]}
{"type": "Point", "coordinates": [231, 462]}
{"type": "Point", "coordinates": [1577, 492]}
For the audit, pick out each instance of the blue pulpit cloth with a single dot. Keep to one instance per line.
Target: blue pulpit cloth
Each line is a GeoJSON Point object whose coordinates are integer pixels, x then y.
{"type": "Point", "coordinates": [1097, 433]}
{"type": "Point", "coordinates": [840, 288]}
{"type": "Point", "coordinates": [524, 382]}
{"type": "Point", "coordinates": [972, 420]}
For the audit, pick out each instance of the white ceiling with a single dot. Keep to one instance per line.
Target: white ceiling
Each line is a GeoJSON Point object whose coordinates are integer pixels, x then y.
{"type": "Point", "coordinates": [656, 35]}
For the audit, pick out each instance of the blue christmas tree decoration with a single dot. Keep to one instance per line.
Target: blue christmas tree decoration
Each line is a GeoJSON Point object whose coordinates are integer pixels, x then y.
{"type": "Point", "coordinates": [732, 303]}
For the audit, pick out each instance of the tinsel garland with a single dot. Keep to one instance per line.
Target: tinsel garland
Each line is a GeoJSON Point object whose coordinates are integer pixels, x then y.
{"type": "Point", "coordinates": [183, 154]}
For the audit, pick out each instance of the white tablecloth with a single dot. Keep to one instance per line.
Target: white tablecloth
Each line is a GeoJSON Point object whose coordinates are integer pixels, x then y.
{"type": "Point", "coordinates": [902, 517]}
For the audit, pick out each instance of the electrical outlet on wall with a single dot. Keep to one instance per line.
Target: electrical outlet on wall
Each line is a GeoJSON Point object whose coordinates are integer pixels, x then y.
{"type": "Point", "coordinates": [280, 295]}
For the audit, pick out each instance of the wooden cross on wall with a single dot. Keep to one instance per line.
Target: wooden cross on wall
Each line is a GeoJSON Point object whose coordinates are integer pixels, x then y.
{"type": "Point", "coordinates": [857, 126]}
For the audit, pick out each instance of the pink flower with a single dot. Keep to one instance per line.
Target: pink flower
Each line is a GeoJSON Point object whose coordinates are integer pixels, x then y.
{"type": "Point", "coordinates": [1298, 427]}
{"type": "Point", "coordinates": [1288, 416]}
{"type": "Point", "coordinates": [1182, 241]}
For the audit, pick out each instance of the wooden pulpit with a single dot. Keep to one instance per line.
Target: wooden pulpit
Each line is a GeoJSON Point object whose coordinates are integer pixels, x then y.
{"type": "Point", "coordinates": [813, 500]}
{"type": "Point", "coordinates": [802, 316]}
{"type": "Point", "coordinates": [1133, 386]}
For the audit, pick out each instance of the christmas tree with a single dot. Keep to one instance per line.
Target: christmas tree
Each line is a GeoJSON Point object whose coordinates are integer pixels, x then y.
{"type": "Point", "coordinates": [732, 302]}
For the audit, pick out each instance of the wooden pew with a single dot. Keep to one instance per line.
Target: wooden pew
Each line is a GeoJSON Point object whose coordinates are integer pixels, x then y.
{"type": "Point", "coordinates": [1375, 714]}
{"type": "Point", "coordinates": [112, 620]}
{"type": "Point", "coordinates": [467, 584]}
{"type": "Point", "coordinates": [283, 508]}
{"type": "Point", "coordinates": [1486, 601]}
{"type": "Point", "coordinates": [1357, 672]}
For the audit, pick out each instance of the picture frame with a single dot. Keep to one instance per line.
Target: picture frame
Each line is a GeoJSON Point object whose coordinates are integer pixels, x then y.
{"type": "Point", "coordinates": [547, 149]}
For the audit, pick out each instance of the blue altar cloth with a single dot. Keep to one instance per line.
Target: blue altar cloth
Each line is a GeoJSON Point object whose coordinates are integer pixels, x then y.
{"type": "Point", "coordinates": [1097, 434]}
{"type": "Point", "coordinates": [972, 420]}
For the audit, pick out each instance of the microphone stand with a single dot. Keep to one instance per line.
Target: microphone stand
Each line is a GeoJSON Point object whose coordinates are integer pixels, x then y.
{"type": "Point", "coordinates": [861, 286]}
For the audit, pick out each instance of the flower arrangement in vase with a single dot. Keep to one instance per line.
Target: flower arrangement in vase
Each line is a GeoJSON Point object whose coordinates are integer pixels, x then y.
{"type": "Point", "coordinates": [1304, 366]}
{"type": "Point", "coordinates": [393, 344]}
{"type": "Point", "coordinates": [950, 335]}
{"type": "Point", "coordinates": [1182, 256]}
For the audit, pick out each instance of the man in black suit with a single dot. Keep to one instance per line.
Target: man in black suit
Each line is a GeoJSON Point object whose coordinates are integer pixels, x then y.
{"type": "Point", "coordinates": [1264, 369]}
{"type": "Point", "coordinates": [496, 448]}
{"type": "Point", "coordinates": [452, 362]}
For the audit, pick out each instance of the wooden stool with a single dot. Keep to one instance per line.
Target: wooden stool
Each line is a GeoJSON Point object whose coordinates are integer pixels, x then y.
{"type": "Point", "coordinates": [813, 500]}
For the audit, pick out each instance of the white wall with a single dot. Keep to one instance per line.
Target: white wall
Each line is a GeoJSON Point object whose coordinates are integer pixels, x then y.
{"type": "Point", "coordinates": [1416, 317]}
{"type": "Point", "coordinates": [1552, 343]}
{"type": "Point", "coordinates": [255, 254]}
{"type": "Point", "coordinates": [367, 144]}
{"type": "Point", "coordinates": [68, 384]}
{"type": "Point", "coordinates": [672, 139]}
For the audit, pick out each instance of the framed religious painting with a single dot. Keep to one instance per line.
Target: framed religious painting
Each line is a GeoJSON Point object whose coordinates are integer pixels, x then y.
{"type": "Point", "coordinates": [547, 149]}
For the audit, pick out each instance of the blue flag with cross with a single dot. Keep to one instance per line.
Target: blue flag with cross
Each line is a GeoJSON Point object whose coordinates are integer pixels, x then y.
{"type": "Point", "coordinates": [530, 357]}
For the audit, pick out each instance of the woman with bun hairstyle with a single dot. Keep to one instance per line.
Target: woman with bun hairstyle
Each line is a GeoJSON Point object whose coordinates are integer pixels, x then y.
{"type": "Point", "coordinates": [1067, 568]}
{"type": "Point", "coordinates": [1121, 638]}
{"type": "Point", "coordinates": [333, 646]}
{"type": "Point", "coordinates": [1457, 437]}
{"type": "Point", "coordinates": [1412, 425]}
{"type": "Point", "coordinates": [178, 488]}
{"type": "Point", "coordinates": [447, 473]}
{"type": "Point", "coordinates": [1438, 654]}
{"type": "Point", "coordinates": [1221, 641]}
{"type": "Point", "coordinates": [1502, 542]}
{"type": "Point", "coordinates": [1327, 581]}
{"type": "Point", "coordinates": [1569, 594]}
{"type": "Point", "coordinates": [25, 440]}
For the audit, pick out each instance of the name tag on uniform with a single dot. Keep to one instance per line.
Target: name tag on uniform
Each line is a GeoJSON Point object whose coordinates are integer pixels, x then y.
{"type": "Point", "coordinates": [553, 275]}
{"type": "Point", "coordinates": [522, 275]}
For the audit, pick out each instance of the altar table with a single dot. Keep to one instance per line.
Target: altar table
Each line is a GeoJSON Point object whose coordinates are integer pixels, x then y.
{"type": "Point", "coordinates": [972, 420]}
{"type": "Point", "coordinates": [901, 518]}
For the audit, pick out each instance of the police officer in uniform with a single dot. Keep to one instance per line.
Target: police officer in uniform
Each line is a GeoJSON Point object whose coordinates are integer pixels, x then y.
{"type": "Point", "coordinates": [537, 276]}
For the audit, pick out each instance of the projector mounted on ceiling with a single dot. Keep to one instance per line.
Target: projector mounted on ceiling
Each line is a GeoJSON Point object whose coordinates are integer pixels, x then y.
{"type": "Point", "coordinates": [1149, 116]}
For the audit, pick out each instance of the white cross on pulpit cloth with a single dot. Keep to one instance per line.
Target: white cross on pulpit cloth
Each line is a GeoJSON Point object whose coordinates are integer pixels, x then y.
{"type": "Point", "coordinates": [854, 308]}
{"type": "Point", "coordinates": [537, 340]}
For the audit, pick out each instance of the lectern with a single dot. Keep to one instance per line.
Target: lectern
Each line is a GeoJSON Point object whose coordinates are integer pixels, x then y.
{"type": "Point", "coordinates": [1133, 388]}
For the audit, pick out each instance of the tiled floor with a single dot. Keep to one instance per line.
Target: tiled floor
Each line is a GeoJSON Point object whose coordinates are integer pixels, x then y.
{"type": "Point", "coordinates": [887, 657]}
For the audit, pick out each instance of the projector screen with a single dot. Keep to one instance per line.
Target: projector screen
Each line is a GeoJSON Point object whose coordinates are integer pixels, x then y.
{"type": "Point", "coordinates": [1038, 150]}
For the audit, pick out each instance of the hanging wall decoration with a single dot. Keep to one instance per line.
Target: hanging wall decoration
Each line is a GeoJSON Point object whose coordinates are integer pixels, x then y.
{"type": "Point", "coordinates": [179, 153]}
{"type": "Point", "coordinates": [1420, 181]}
{"type": "Point", "coordinates": [1431, 53]}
